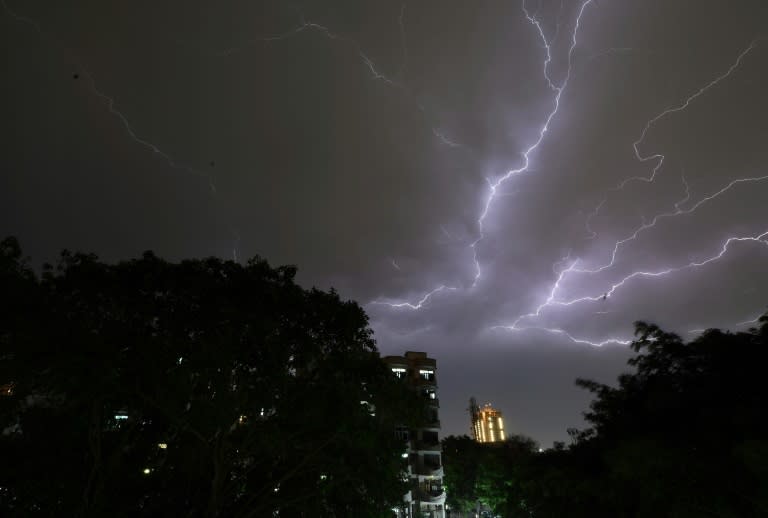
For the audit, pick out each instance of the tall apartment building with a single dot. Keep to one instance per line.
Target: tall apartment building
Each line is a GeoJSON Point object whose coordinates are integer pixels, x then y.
{"type": "Point", "coordinates": [487, 423]}
{"type": "Point", "coordinates": [424, 452]}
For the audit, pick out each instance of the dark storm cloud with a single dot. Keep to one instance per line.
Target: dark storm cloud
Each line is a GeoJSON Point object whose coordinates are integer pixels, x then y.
{"type": "Point", "coordinates": [356, 139]}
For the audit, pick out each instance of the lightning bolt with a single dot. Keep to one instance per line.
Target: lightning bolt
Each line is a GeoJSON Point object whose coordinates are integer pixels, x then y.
{"type": "Point", "coordinates": [658, 158]}
{"type": "Point", "coordinates": [550, 301]}
{"type": "Point", "coordinates": [569, 336]}
{"type": "Point", "coordinates": [495, 184]}
{"type": "Point", "coordinates": [375, 73]}
{"type": "Point", "coordinates": [154, 149]}
{"type": "Point", "coordinates": [516, 327]}
{"type": "Point", "coordinates": [418, 305]}
{"type": "Point", "coordinates": [109, 102]}
{"type": "Point", "coordinates": [743, 323]}
{"type": "Point", "coordinates": [677, 212]}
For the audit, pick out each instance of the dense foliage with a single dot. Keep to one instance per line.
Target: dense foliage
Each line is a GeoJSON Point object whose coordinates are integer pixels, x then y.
{"type": "Point", "coordinates": [205, 388]}
{"type": "Point", "coordinates": [684, 435]}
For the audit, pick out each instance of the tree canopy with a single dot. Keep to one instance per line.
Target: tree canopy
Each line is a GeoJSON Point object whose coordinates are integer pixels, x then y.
{"type": "Point", "coordinates": [203, 388]}
{"type": "Point", "coordinates": [685, 434]}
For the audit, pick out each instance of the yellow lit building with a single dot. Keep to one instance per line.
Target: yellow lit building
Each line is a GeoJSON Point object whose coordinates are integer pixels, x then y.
{"type": "Point", "coordinates": [487, 423]}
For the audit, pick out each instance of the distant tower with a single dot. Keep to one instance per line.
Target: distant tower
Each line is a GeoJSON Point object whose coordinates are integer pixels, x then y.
{"type": "Point", "coordinates": [487, 423]}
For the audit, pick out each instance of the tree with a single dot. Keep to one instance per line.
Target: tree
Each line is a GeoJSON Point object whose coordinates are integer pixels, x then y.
{"type": "Point", "coordinates": [488, 474]}
{"type": "Point", "coordinates": [204, 388]}
{"type": "Point", "coordinates": [684, 435]}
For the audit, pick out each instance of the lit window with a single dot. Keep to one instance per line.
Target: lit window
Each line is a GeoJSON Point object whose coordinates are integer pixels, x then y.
{"type": "Point", "coordinates": [427, 374]}
{"type": "Point", "coordinates": [398, 371]}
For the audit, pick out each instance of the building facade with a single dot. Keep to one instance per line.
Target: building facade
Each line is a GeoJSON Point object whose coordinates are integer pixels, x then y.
{"type": "Point", "coordinates": [487, 423]}
{"type": "Point", "coordinates": [425, 466]}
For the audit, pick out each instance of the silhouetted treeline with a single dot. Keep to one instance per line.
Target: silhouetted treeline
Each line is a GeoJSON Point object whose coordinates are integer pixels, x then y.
{"type": "Point", "coordinates": [204, 388]}
{"type": "Point", "coordinates": [685, 435]}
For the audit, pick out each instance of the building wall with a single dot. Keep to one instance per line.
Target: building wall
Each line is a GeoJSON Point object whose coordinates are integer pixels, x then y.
{"type": "Point", "coordinates": [488, 425]}
{"type": "Point", "coordinates": [419, 372]}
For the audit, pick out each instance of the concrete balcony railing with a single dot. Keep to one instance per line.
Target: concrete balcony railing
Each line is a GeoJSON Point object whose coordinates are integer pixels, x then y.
{"type": "Point", "coordinates": [427, 470]}
{"type": "Point", "coordinates": [430, 497]}
{"type": "Point", "coordinates": [427, 446]}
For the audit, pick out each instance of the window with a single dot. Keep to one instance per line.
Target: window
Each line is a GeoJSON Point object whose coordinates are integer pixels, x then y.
{"type": "Point", "coordinates": [427, 374]}
{"type": "Point", "coordinates": [399, 372]}
{"type": "Point", "coordinates": [429, 437]}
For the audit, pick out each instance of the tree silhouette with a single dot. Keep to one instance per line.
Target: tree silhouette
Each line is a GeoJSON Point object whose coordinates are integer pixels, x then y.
{"type": "Point", "coordinates": [684, 435]}
{"type": "Point", "coordinates": [204, 388]}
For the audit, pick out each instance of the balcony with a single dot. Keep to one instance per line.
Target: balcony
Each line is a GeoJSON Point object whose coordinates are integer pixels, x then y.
{"type": "Point", "coordinates": [430, 497]}
{"type": "Point", "coordinates": [428, 470]}
{"type": "Point", "coordinates": [427, 446]}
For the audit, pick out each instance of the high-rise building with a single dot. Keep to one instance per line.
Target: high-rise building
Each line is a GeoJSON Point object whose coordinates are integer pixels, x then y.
{"type": "Point", "coordinates": [425, 471]}
{"type": "Point", "coordinates": [487, 422]}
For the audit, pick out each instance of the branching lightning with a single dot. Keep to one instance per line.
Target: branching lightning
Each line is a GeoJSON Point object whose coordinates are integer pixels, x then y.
{"type": "Point", "coordinates": [677, 212]}
{"type": "Point", "coordinates": [128, 128]}
{"type": "Point", "coordinates": [761, 239]}
{"type": "Point", "coordinates": [418, 305]}
{"type": "Point", "coordinates": [558, 89]}
{"type": "Point", "coordinates": [375, 73]}
{"type": "Point", "coordinates": [562, 269]}
{"type": "Point", "coordinates": [658, 158]}
{"type": "Point", "coordinates": [109, 102]}
{"type": "Point", "coordinates": [569, 336]}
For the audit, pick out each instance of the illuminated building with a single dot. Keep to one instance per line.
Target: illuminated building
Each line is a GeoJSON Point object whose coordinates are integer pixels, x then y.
{"type": "Point", "coordinates": [487, 423]}
{"type": "Point", "coordinates": [425, 468]}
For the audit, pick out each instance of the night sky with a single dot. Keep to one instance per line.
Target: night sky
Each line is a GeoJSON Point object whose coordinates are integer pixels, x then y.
{"type": "Point", "coordinates": [506, 186]}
